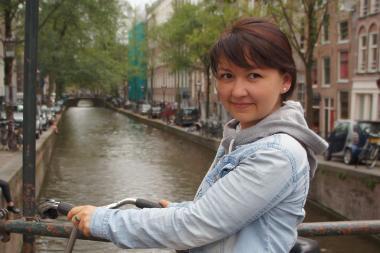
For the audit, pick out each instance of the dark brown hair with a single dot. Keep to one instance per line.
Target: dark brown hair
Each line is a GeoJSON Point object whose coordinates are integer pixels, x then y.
{"type": "Point", "coordinates": [257, 43]}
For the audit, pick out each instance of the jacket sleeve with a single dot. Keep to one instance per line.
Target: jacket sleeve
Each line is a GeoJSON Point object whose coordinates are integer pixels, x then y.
{"type": "Point", "coordinates": [256, 185]}
{"type": "Point", "coordinates": [180, 204]}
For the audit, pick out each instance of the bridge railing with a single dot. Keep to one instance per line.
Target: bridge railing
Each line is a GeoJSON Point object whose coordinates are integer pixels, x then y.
{"type": "Point", "coordinates": [63, 229]}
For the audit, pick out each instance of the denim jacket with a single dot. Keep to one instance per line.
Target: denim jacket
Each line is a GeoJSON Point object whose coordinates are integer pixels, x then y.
{"type": "Point", "coordinates": [251, 200]}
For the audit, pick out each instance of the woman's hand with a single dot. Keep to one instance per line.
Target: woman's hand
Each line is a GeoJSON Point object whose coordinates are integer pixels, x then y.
{"type": "Point", "coordinates": [80, 216]}
{"type": "Point", "coordinates": [164, 203]}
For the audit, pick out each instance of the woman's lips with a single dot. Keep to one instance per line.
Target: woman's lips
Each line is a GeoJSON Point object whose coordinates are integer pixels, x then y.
{"type": "Point", "coordinates": [241, 105]}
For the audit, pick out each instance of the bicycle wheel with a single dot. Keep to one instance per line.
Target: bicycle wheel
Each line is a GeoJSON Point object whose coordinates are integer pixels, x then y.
{"type": "Point", "coordinates": [373, 154]}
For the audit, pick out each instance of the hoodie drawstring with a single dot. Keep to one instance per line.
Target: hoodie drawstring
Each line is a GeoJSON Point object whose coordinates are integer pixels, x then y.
{"type": "Point", "coordinates": [231, 146]}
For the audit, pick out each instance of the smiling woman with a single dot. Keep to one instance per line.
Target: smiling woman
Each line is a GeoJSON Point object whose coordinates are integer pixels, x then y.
{"type": "Point", "coordinates": [252, 197]}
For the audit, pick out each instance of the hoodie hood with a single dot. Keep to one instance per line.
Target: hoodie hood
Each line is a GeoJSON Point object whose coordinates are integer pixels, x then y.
{"type": "Point", "coordinates": [288, 119]}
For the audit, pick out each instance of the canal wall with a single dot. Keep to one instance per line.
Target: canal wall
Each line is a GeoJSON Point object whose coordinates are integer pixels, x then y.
{"type": "Point", "coordinates": [344, 191]}
{"type": "Point", "coordinates": [353, 193]}
{"type": "Point", "coordinates": [11, 171]}
{"type": "Point", "coordinates": [208, 142]}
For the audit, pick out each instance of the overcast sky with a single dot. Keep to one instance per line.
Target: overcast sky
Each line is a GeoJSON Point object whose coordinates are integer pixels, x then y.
{"type": "Point", "coordinates": [139, 3]}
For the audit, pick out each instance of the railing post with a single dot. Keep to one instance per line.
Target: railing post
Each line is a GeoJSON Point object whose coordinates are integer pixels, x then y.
{"type": "Point", "coordinates": [29, 126]}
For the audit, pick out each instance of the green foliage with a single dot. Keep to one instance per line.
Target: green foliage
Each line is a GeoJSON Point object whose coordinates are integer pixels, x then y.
{"type": "Point", "coordinates": [371, 183]}
{"type": "Point", "coordinates": [188, 35]}
{"type": "Point", "coordinates": [78, 44]}
{"type": "Point", "coordinates": [342, 175]}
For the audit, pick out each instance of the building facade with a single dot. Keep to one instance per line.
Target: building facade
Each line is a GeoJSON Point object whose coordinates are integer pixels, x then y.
{"type": "Point", "coordinates": [332, 74]}
{"type": "Point", "coordinates": [365, 94]}
{"type": "Point", "coordinates": [183, 88]}
{"type": "Point", "coordinates": [137, 73]}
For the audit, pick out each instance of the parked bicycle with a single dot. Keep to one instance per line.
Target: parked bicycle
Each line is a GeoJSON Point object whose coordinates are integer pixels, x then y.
{"type": "Point", "coordinates": [370, 152]}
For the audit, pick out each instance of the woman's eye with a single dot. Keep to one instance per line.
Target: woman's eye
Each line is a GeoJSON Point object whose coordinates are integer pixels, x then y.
{"type": "Point", "coordinates": [225, 76]}
{"type": "Point", "coordinates": [254, 76]}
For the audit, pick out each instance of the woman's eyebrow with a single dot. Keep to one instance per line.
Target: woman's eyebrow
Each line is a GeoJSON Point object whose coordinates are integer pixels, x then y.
{"type": "Point", "coordinates": [223, 69]}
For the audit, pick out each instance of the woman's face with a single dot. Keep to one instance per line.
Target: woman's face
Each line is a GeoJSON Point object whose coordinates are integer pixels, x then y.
{"type": "Point", "coordinates": [249, 95]}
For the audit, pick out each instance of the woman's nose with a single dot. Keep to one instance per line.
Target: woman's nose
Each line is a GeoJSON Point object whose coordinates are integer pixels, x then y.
{"type": "Point", "coordinates": [239, 89]}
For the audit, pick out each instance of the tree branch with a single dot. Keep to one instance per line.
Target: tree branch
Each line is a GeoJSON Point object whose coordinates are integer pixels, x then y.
{"type": "Point", "coordinates": [56, 7]}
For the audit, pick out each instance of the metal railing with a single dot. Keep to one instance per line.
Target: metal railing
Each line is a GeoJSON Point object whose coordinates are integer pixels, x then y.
{"type": "Point", "coordinates": [63, 229]}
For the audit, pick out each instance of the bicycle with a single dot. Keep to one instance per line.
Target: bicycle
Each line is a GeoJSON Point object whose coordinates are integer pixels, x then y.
{"type": "Point", "coordinates": [370, 151]}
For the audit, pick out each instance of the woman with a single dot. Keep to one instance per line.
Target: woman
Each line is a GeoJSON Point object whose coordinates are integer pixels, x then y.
{"type": "Point", "coordinates": [252, 198]}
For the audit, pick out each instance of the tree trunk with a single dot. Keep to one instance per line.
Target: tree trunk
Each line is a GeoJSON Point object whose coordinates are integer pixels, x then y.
{"type": "Point", "coordinates": [309, 94]}
{"type": "Point", "coordinates": [151, 99]}
{"type": "Point", "coordinates": [177, 90]}
{"type": "Point", "coordinates": [207, 91]}
{"type": "Point", "coordinates": [8, 71]}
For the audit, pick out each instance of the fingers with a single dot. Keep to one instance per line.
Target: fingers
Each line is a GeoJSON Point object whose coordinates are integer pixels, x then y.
{"type": "Point", "coordinates": [164, 203]}
{"type": "Point", "coordinates": [73, 212]}
{"type": "Point", "coordinates": [80, 216]}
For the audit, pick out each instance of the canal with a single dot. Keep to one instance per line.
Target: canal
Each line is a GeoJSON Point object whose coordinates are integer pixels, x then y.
{"type": "Point", "coordinates": [102, 156]}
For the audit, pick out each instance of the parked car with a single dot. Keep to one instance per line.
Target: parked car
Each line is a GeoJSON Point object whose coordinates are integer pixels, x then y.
{"type": "Point", "coordinates": [155, 112]}
{"type": "Point", "coordinates": [186, 116]}
{"type": "Point", "coordinates": [348, 138]}
{"type": "Point", "coordinates": [18, 116]}
{"type": "Point", "coordinates": [3, 116]}
{"type": "Point", "coordinates": [41, 114]}
{"type": "Point", "coordinates": [128, 105]}
{"type": "Point", "coordinates": [46, 111]}
{"type": "Point", "coordinates": [144, 109]}
{"type": "Point", "coordinates": [38, 127]}
{"type": "Point", "coordinates": [56, 109]}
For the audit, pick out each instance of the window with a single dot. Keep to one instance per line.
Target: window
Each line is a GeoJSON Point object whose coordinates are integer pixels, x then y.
{"type": "Point", "coordinates": [363, 108]}
{"type": "Point", "coordinates": [343, 31]}
{"type": "Point", "coordinates": [325, 29]}
{"type": "Point", "coordinates": [364, 4]}
{"type": "Point", "coordinates": [314, 73]}
{"type": "Point", "coordinates": [341, 128]}
{"type": "Point", "coordinates": [316, 100]}
{"type": "Point", "coordinates": [326, 71]}
{"type": "Point", "coordinates": [362, 53]}
{"type": "Point", "coordinates": [343, 95]}
{"type": "Point", "coordinates": [375, 6]}
{"type": "Point", "coordinates": [373, 52]}
{"type": "Point", "coordinates": [301, 93]}
{"type": "Point", "coordinates": [343, 66]}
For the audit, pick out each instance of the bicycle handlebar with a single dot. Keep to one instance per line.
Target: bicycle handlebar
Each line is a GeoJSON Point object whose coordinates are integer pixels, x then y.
{"type": "Point", "coordinates": [143, 203]}
{"type": "Point", "coordinates": [64, 208]}
{"type": "Point", "coordinates": [52, 209]}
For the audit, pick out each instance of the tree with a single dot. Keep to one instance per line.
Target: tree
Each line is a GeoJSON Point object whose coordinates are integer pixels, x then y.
{"type": "Point", "coordinates": [214, 17]}
{"type": "Point", "coordinates": [80, 45]}
{"type": "Point", "coordinates": [302, 21]}
{"type": "Point", "coordinates": [185, 39]}
{"type": "Point", "coordinates": [9, 11]}
{"type": "Point", "coordinates": [173, 40]}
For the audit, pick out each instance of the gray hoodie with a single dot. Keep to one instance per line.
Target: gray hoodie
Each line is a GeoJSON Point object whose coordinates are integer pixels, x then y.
{"type": "Point", "coordinates": [287, 119]}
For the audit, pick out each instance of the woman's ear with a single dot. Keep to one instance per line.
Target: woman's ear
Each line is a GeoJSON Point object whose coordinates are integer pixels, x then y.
{"type": "Point", "coordinates": [287, 83]}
